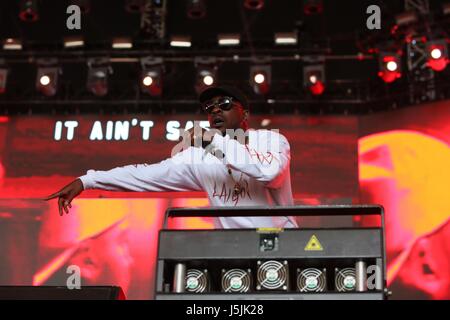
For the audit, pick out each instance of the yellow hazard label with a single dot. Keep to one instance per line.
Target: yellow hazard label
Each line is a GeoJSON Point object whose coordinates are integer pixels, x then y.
{"type": "Point", "coordinates": [313, 244]}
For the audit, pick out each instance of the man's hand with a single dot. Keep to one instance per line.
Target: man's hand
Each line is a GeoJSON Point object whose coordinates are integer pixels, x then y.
{"type": "Point", "coordinates": [66, 195]}
{"type": "Point", "coordinates": [201, 137]}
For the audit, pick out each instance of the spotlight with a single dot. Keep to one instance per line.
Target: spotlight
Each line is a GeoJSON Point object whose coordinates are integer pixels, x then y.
{"type": "Point", "coordinates": [314, 78]}
{"type": "Point", "coordinates": [180, 41]}
{"type": "Point", "coordinates": [437, 55]}
{"type": "Point", "coordinates": [206, 73]}
{"type": "Point", "coordinates": [73, 42]}
{"type": "Point", "coordinates": [148, 79]}
{"type": "Point", "coordinates": [254, 4]}
{"type": "Point", "coordinates": [44, 80]}
{"type": "Point", "coordinates": [260, 78]}
{"type": "Point", "coordinates": [151, 76]}
{"type": "Point", "coordinates": [29, 10]}
{"type": "Point", "coordinates": [285, 38]}
{"type": "Point", "coordinates": [12, 44]}
{"type": "Point", "coordinates": [229, 39]}
{"type": "Point", "coordinates": [196, 9]}
{"type": "Point", "coordinates": [97, 80]}
{"type": "Point", "coordinates": [311, 7]}
{"type": "Point", "coordinates": [47, 77]}
{"type": "Point", "coordinates": [390, 67]}
{"type": "Point", "coordinates": [3, 79]}
{"type": "Point", "coordinates": [122, 43]}
{"type": "Point", "coordinates": [208, 79]}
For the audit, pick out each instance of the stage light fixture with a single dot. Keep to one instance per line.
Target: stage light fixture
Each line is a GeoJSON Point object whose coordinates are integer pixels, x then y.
{"type": "Point", "coordinates": [261, 78]}
{"type": "Point", "coordinates": [206, 73]}
{"type": "Point", "coordinates": [12, 44]}
{"type": "Point", "coordinates": [73, 42]}
{"type": "Point", "coordinates": [254, 4]}
{"type": "Point", "coordinates": [29, 10]}
{"type": "Point", "coordinates": [180, 41]}
{"type": "Point", "coordinates": [196, 9]}
{"type": "Point", "coordinates": [314, 78]}
{"type": "Point", "coordinates": [389, 67]}
{"type": "Point", "coordinates": [311, 7]}
{"type": "Point", "coordinates": [437, 52]}
{"type": "Point", "coordinates": [229, 39]}
{"type": "Point", "coordinates": [122, 43]}
{"type": "Point", "coordinates": [285, 38]}
{"type": "Point", "coordinates": [208, 79]}
{"type": "Point", "coordinates": [47, 77]}
{"type": "Point", "coordinates": [152, 76]}
{"type": "Point", "coordinates": [3, 79]}
{"type": "Point", "coordinates": [97, 80]}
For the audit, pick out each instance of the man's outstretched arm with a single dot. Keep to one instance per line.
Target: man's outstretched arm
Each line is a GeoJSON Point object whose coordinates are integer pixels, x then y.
{"type": "Point", "coordinates": [173, 174]}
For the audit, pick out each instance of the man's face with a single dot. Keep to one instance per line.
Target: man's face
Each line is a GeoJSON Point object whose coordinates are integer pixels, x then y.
{"type": "Point", "coordinates": [111, 257]}
{"type": "Point", "coordinates": [222, 119]}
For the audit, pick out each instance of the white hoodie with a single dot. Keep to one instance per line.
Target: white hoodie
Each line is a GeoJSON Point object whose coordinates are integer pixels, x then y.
{"type": "Point", "coordinates": [261, 168]}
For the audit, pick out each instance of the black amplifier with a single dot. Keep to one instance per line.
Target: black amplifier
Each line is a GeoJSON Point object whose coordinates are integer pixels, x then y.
{"type": "Point", "coordinates": [270, 263]}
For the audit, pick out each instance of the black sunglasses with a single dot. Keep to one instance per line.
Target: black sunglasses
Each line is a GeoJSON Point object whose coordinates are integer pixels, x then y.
{"type": "Point", "coordinates": [224, 103]}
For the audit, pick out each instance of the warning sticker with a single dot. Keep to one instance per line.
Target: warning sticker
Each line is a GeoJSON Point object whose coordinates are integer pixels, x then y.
{"type": "Point", "coordinates": [313, 244]}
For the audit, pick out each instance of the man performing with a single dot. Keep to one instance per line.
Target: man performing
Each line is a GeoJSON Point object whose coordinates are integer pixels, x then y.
{"type": "Point", "coordinates": [253, 171]}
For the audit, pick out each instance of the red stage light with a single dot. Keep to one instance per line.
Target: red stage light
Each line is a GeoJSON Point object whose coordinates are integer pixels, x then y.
{"type": "Point", "coordinates": [29, 11]}
{"type": "Point", "coordinates": [206, 75]}
{"type": "Point", "coordinates": [390, 67]}
{"type": "Point", "coordinates": [314, 78]}
{"type": "Point", "coordinates": [311, 7]}
{"type": "Point", "coordinates": [254, 4]}
{"type": "Point", "coordinates": [152, 82]}
{"type": "Point", "coordinates": [196, 9]}
{"type": "Point", "coordinates": [47, 81]}
{"type": "Point", "coordinates": [152, 76]}
{"type": "Point", "coordinates": [437, 56]}
{"type": "Point", "coordinates": [147, 81]}
{"type": "Point", "coordinates": [260, 78]}
{"type": "Point", "coordinates": [208, 80]}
